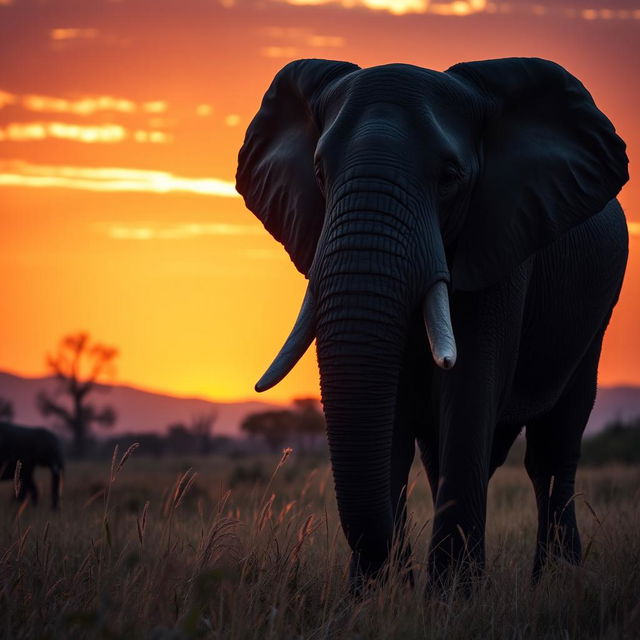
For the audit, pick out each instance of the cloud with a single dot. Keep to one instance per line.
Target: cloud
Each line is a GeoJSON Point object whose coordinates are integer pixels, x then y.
{"type": "Point", "coordinates": [232, 120]}
{"type": "Point", "coordinates": [296, 41]}
{"type": "Point", "coordinates": [82, 106]}
{"type": "Point", "coordinates": [88, 134]}
{"type": "Point", "coordinates": [65, 38]}
{"type": "Point", "coordinates": [109, 179]}
{"type": "Point", "coordinates": [25, 131]}
{"type": "Point", "coordinates": [462, 8]}
{"type": "Point", "coordinates": [156, 106]}
{"type": "Point", "coordinates": [204, 110]}
{"type": "Point", "coordinates": [279, 52]}
{"type": "Point", "coordinates": [155, 137]}
{"type": "Point", "coordinates": [73, 34]}
{"type": "Point", "coordinates": [401, 7]}
{"type": "Point", "coordinates": [162, 231]}
{"type": "Point", "coordinates": [302, 36]}
{"type": "Point", "coordinates": [7, 98]}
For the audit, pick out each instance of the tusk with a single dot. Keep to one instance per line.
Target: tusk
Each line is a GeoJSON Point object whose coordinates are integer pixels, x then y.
{"type": "Point", "coordinates": [299, 340]}
{"type": "Point", "coordinates": [437, 320]}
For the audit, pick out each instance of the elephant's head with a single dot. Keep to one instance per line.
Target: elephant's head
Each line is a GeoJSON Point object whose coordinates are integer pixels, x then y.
{"type": "Point", "coordinates": [392, 185]}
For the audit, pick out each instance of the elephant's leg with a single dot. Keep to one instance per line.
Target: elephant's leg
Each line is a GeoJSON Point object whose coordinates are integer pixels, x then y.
{"type": "Point", "coordinates": [487, 327]}
{"type": "Point", "coordinates": [553, 451]}
{"type": "Point", "coordinates": [55, 487]}
{"type": "Point", "coordinates": [457, 543]}
{"type": "Point", "coordinates": [27, 486]}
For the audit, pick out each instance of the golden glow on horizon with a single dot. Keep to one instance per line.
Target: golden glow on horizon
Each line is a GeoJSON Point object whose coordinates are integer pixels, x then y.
{"type": "Point", "coordinates": [23, 174]}
{"type": "Point", "coordinates": [144, 241]}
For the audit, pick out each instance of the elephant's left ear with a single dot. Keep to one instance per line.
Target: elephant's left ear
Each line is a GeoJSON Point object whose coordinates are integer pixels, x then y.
{"type": "Point", "coordinates": [276, 173]}
{"type": "Point", "coordinates": [550, 160]}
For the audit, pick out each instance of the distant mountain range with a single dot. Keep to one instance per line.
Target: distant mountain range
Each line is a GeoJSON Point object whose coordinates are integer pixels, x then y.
{"type": "Point", "coordinates": [138, 411]}
{"type": "Point", "coordinates": [145, 411]}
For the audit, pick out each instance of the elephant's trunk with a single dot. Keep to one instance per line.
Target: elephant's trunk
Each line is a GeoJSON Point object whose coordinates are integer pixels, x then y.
{"type": "Point", "coordinates": [369, 280]}
{"type": "Point", "coordinates": [360, 336]}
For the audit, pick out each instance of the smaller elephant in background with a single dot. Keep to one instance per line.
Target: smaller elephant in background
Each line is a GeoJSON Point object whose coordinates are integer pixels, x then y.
{"type": "Point", "coordinates": [33, 447]}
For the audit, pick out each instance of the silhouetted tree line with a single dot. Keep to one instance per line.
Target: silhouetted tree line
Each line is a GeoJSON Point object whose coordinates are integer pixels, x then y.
{"type": "Point", "coordinates": [194, 437]}
{"type": "Point", "coordinates": [619, 441]}
{"type": "Point", "coordinates": [302, 427]}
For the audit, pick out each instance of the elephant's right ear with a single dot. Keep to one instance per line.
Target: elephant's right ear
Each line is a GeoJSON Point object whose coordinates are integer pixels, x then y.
{"type": "Point", "coordinates": [276, 173]}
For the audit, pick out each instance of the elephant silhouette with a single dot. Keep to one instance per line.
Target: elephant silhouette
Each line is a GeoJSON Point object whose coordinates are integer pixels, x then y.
{"type": "Point", "coordinates": [464, 251]}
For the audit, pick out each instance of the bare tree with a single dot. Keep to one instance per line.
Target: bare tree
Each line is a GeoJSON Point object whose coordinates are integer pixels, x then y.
{"type": "Point", "coordinates": [79, 367]}
{"type": "Point", "coordinates": [6, 410]}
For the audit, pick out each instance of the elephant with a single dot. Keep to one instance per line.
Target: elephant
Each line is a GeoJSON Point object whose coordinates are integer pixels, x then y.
{"type": "Point", "coordinates": [32, 447]}
{"type": "Point", "coordinates": [464, 250]}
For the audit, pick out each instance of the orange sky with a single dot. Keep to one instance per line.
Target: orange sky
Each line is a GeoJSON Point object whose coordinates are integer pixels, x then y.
{"type": "Point", "coordinates": [120, 123]}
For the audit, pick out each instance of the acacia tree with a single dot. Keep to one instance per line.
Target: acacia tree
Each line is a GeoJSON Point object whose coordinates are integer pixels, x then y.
{"type": "Point", "coordinates": [310, 422]}
{"type": "Point", "coordinates": [79, 367]}
{"type": "Point", "coordinates": [305, 423]}
{"type": "Point", "coordinates": [275, 427]}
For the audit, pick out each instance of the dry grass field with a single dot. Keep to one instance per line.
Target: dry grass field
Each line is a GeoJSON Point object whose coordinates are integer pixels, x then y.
{"type": "Point", "coordinates": [251, 548]}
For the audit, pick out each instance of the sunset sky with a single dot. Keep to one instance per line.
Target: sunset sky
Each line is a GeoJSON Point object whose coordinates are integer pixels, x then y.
{"type": "Point", "coordinates": [120, 123]}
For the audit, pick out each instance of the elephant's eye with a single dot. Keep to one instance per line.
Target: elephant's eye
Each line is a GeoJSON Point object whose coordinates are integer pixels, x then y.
{"type": "Point", "coordinates": [449, 179]}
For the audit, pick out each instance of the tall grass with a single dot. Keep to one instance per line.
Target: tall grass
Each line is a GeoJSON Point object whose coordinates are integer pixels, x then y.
{"type": "Point", "coordinates": [146, 549]}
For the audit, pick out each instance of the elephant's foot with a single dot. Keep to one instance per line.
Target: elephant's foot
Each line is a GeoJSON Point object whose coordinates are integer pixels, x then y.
{"type": "Point", "coordinates": [458, 580]}
{"type": "Point", "coordinates": [454, 571]}
{"type": "Point", "coordinates": [561, 544]}
{"type": "Point", "coordinates": [365, 573]}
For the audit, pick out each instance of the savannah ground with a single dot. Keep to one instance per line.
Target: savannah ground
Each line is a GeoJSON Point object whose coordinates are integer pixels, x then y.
{"type": "Point", "coordinates": [252, 548]}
